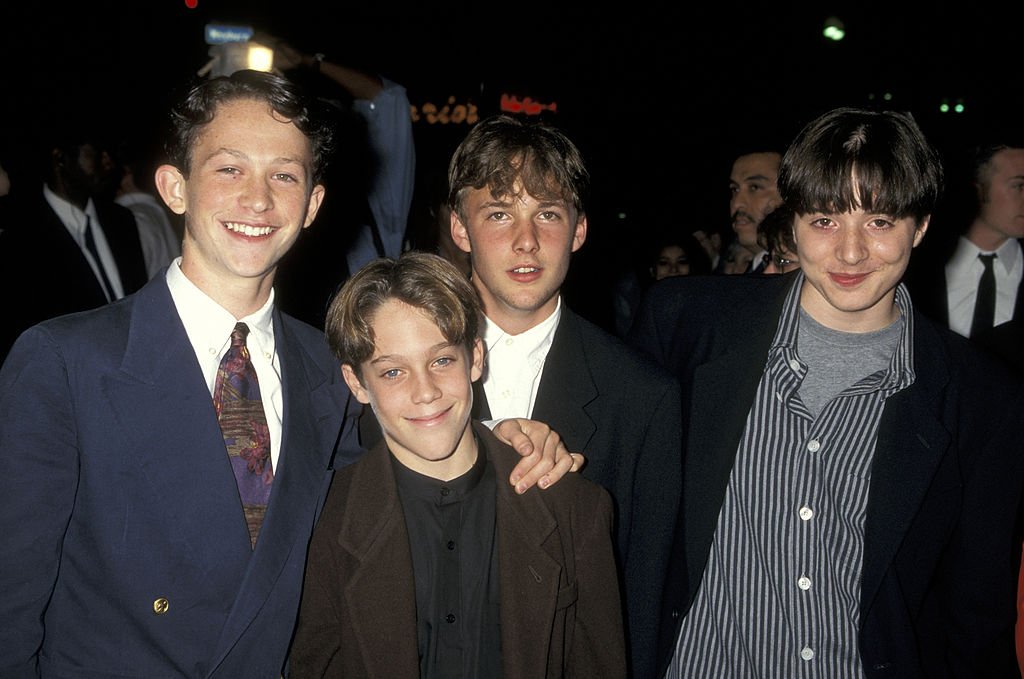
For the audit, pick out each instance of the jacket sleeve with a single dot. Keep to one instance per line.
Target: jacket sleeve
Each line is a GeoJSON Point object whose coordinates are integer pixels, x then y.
{"type": "Point", "coordinates": [39, 458]}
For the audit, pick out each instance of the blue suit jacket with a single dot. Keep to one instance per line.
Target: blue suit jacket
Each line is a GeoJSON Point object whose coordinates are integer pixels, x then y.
{"type": "Point", "coordinates": [117, 493]}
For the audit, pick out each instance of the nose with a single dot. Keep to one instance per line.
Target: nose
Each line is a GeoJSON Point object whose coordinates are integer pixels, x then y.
{"type": "Point", "coordinates": [426, 390]}
{"type": "Point", "coordinates": [525, 238]}
{"type": "Point", "coordinates": [257, 195]}
{"type": "Point", "coordinates": [737, 201]}
{"type": "Point", "coordinates": [852, 246]}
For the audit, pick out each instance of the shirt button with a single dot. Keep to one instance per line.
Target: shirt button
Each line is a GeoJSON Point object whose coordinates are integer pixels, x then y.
{"type": "Point", "coordinates": [450, 618]}
{"type": "Point", "coordinates": [266, 355]}
{"type": "Point", "coordinates": [806, 653]}
{"type": "Point", "coordinates": [806, 513]}
{"type": "Point", "coordinates": [213, 352]}
{"type": "Point", "coordinates": [160, 606]}
{"type": "Point", "coordinates": [451, 544]}
{"type": "Point", "coordinates": [509, 342]}
{"type": "Point", "coordinates": [445, 492]}
{"type": "Point", "coordinates": [814, 445]}
{"type": "Point", "coordinates": [794, 365]}
{"type": "Point", "coordinates": [804, 583]}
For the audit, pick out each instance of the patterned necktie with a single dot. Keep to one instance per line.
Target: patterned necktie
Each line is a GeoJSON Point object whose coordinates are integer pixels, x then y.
{"type": "Point", "coordinates": [985, 302]}
{"type": "Point", "coordinates": [236, 397]}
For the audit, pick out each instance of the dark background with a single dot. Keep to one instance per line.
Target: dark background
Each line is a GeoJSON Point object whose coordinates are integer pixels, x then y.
{"type": "Point", "coordinates": [659, 98]}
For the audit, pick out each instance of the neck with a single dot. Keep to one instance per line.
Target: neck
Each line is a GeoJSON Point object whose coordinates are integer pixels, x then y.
{"type": "Point", "coordinates": [984, 236]}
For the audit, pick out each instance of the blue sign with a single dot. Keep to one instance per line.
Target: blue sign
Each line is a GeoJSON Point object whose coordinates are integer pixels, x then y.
{"type": "Point", "coordinates": [220, 34]}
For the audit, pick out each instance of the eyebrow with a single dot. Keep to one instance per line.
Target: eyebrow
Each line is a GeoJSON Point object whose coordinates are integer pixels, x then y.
{"type": "Point", "coordinates": [235, 153]}
{"type": "Point", "coordinates": [394, 357]}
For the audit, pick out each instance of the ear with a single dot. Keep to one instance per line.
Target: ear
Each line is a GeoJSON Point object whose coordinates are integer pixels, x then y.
{"type": "Point", "coordinates": [920, 230]}
{"type": "Point", "coordinates": [477, 369]}
{"type": "Point", "coordinates": [354, 384]}
{"type": "Point", "coordinates": [580, 237]}
{"type": "Point", "coordinates": [460, 234]}
{"type": "Point", "coordinates": [316, 198]}
{"type": "Point", "coordinates": [171, 185]}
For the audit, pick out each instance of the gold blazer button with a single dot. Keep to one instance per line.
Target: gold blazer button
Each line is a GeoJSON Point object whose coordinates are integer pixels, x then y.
{"type": "Point", "coordinates": [160, 606]}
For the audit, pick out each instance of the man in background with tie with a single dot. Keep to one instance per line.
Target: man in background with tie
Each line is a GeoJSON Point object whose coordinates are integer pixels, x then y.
{"type": "Point", "coordinates": [975, 290]}
{"type": "Point", "coordinates": [165, 457]}
{"type": "Point", "coordinates": [65, 248]}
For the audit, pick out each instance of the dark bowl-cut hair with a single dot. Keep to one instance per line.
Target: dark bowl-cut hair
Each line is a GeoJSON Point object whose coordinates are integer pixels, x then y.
{"type": "Point", "coordinates": [854, 158]}
{"type": "Point", "coordinates": [502, 149]}
{"type": "Point", "coordinates": [289, 100]}
{"type": "Point", "coordinates": [422, 280]}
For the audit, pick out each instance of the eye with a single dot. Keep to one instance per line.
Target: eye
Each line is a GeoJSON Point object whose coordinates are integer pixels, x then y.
{"type": "Point", "coordinates": [550, 216]}
{"type": "Point", "coordinates": [391, 374]}
{"type": "Point", "coordinates": [286, 177]}
{"type": "Point", "coordinates": [444, 361]}
{"type": "Point", "coordinates": [497, 216]}
{"type": "Point", "coordinates": [880, 223]}
{"type": "Point", "coordinates": [228, 170]}
{"type": "Point", "coordinates": [822, 223]}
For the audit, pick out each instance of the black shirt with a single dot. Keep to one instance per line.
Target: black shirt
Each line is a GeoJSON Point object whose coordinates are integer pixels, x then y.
{"type": "Point", "coordinates": [453, 540]}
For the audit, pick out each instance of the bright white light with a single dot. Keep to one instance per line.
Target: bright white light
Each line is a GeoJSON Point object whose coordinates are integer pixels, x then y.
{"type": "Point", "coordinates": [260, 58]}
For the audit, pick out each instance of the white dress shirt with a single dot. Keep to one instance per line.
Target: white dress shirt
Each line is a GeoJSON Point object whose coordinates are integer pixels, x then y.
{"type": "Point", "coordinates": [963, 271]}
{"type": "Point", "coordinates": [515, 364]}
{"type": "Point", "coordinates": [74, 220]}
{"type": "Point", "coordinates": [209, 327]}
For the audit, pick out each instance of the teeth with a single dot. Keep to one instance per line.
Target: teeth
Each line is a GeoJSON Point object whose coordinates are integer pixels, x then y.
{"type": "Point", "coordinates": [524, 269]}
{"type": "Point", "coordinates": [247, 230]}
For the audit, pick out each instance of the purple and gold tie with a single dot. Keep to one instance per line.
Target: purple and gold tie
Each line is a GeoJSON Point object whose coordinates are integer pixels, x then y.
{"type": "Point", "coordinates": [236, 397]}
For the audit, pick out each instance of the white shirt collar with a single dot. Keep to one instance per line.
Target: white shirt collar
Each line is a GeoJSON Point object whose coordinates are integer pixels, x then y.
{"type": "Point", "coordinates": [208, 324]}
{"type": "Point", "coordinates": [966, 255]}
{"type": "Point", "coordinates": [69, 214]}
{"type": "Point", "coordinates": [530, 343]}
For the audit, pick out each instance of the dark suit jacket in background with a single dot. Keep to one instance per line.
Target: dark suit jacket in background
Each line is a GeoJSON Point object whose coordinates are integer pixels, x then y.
{"type": "Point", "coordinates": [43, 271]}
{"type": "Point", "coordinates": [560, 609]}
{"type": "Point", "coordinates": [926, 282]}
{"type": "Point", "coordinates": [942, 534]}
{"type": "Point", "coordinates": [117, 491]}
{"type": "Point", "coordinates": [621, 411]}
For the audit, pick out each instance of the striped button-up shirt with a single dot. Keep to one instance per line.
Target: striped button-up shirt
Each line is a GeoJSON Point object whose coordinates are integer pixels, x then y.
{"type": "Point", "coordinates": [780, 592]}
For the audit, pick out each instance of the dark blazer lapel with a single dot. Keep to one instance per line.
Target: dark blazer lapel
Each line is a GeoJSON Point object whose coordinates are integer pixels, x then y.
{"type": "Point", "coordinates": [529, 572]}
{"type": "Point", "coordinates": [566, 386]}
{"type": "Point", "coordinates": [1018, 305]}
{"type": "Point", "coordinates": [160, 375]}
{"type": "Point", "coordinates": [380, 593]}
{"type": "Point", "coordinates": [723, 393]}
{"type": "Point", "coordinates": [481, 409]}
{"type": "Point", "coordinates": [911, 441]}
{"type": "Point", "coordinates": [314, 408]}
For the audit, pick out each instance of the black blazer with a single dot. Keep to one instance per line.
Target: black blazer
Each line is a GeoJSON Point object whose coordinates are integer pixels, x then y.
{"type": "Point", "coordinates": [45, 271]}
{"type": "Point", "coordinates": [942, 534]}
{"type": "Point", "coordinates": [620, 410]}
{"type": "Point", "coordinates": [926, 282]}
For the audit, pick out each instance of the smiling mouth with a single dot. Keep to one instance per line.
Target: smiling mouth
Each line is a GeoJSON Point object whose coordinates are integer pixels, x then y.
{"type": "Point", "coordinates": [430, 419]}
{"type": "Point", "coordinates": [248, 230]}
{"type": "Point", "coordinates": [848, 279]}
